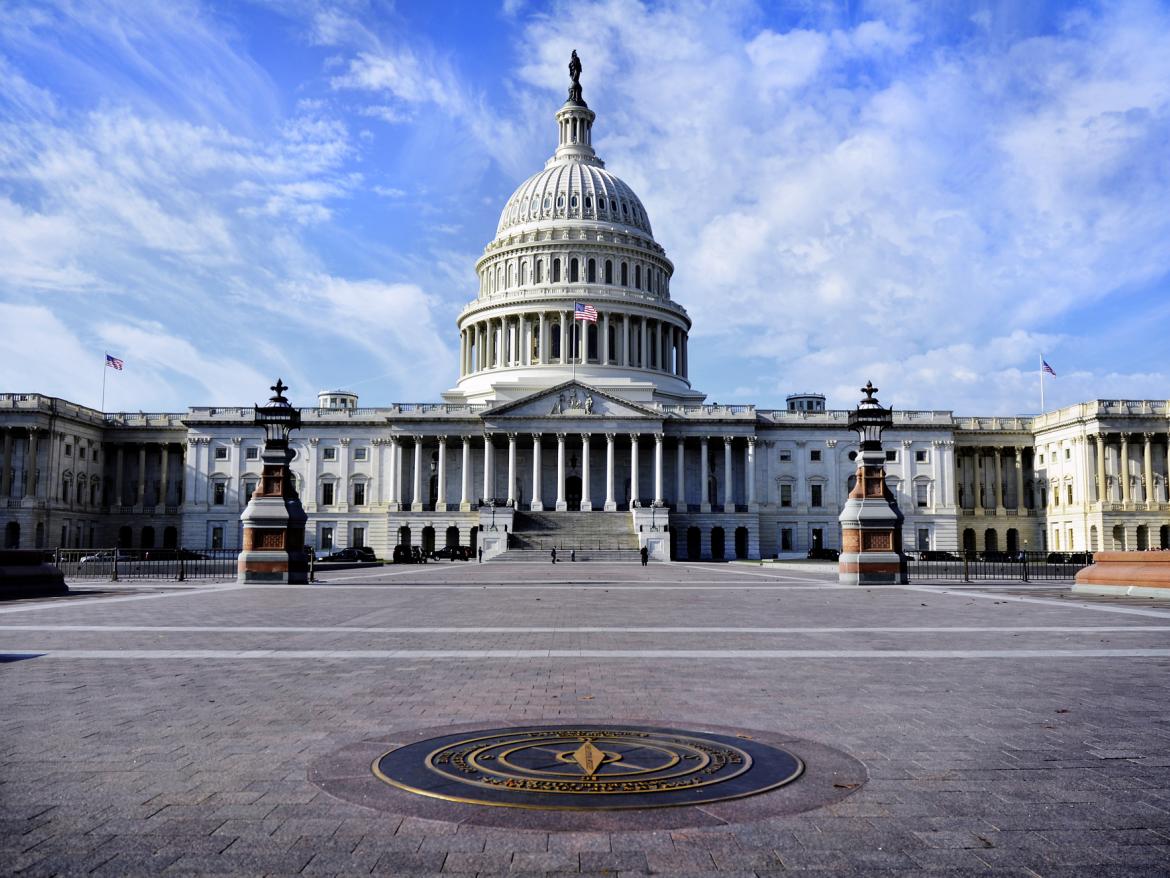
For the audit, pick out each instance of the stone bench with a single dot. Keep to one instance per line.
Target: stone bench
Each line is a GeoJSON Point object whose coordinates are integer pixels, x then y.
{"type": "Point", "coordinates": [1140, 574]}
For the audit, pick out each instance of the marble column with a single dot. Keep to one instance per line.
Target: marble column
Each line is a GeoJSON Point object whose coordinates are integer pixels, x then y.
{"type": "Point", "coordinates": [561, 504]}
{"type": "Point", "coordinates": [998, 480]}
{"type": "Point", "coordinates": [396, 452]}
{"type": "Point", "coordinates": [1166, 481]}
{"type": "Point", "coordinates": [643, 359]}
{"type": "Point", "coordinates": [625, 339]}
{"type": "Point", "coordinates": [441, 492]}
{"type": "Point", "coordinates": [164, 481]}
{"type": "Point", "coordinates": [1102, 481]}
{"type": "Point", "coordinates": [1125, 498]}
{"type": "Point", "coordinates": [704, 497]}
{"type": "Point", "coordinates": [728, 501]}
{"type": "Point", "coordinates": [751, 473]}
{"type": "Point", "coordinates": [537, 504]}
{"type": "Point", "coordinates": [140, 494]}
{"type": "Point", "coordinates": [524, 350]}
{"type": "Point", "coordinates": [119, 471]}
{"type": "Point", "coordinates": [634, 474]}
{"type": "Point", "coordinates": [658, 437]}
{"type": "Point", "coordinates": [542, 342]}
{"type": "Point", "coordinates": [1019, 479]}
{"type": "Point", "coordinates": [6, 466]}
{"type": "Point", "coordinates": [586, 500]}
{"type": "Point", "coordinates": [610, 502]}
{"type": "Point", "coordinates": [680, 475]}
{"type": "Point", "coordinates": [511, 469]}
{"type": "Point", "coordinates": [465, 477]}
{"type": "Point", "coordinates": [605, 338]}
{"type": "Point", "coordinates": [564, 340]}
{"type": "Point", "coordinates": [489, 481]}
{"type": "Point", "coordinates": [416, 498]}
{"type": "Point", "coordinates": [1148, 467]}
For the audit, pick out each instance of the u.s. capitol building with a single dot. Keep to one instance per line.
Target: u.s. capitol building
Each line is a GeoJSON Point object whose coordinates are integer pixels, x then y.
{"type": "Point", "coordinates": [583, 432]}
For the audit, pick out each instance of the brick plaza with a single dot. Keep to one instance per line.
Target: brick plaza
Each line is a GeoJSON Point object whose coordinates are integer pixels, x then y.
{"type": "Point", "coordinates": [169, 729]}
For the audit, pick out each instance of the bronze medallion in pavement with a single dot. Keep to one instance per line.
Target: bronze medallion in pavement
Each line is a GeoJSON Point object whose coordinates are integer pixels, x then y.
{"type": "Point", "coordinates": [587, 767]}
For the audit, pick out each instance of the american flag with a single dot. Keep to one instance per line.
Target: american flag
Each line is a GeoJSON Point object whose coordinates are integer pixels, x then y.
{"type": "Point", "coordinates": [1048, 368]}
{"type": "Point", "coordinates": [582, 311]}
{"type": "Point", "coordinates": [114, 363]}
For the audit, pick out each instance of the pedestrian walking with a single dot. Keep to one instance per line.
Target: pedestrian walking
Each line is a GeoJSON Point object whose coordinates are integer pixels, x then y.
{"type": "Point", "coordinates": [554, 555]}
{"type": "Point", "coordinates": [645, 555]}
{"type": "Point", "coordinates": [480, 550]}
{"type": "Point", "coordinates": [572, 554]}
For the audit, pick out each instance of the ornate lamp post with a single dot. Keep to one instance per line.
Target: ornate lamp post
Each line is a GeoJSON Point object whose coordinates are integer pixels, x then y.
{"type": "Point", "coordinates": [274, 522]}
{"type": "Point", "coordinates": [871, 523]}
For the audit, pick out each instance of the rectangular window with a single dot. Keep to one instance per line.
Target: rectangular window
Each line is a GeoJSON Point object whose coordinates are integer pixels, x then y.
{"type": "Point", "coordinates": [252, 452]}
{"type": "Point", "coordinates": [785, 454]}
{"type": "Point", "coordinates": [891, 455]}
{"type": "Point", "coordinates": [359, 537]}
{"type": "Point", "coordinates": [923, 539]}
{"type": "Point", "coordinates": [329, 453]}
{"type": "Point", "coordinates": [1068, 494]}
{"type": "Point", "coordinates": [327, 494]}
{"type": "Point", "coordinates": [217, 538]}
{"type": "Point", "coordinates": [68, 450]}
{"type": "Point", "coordinates": [786, 539]}
{"type": "Point", "coordinates": [786, 495]}
{"type": "Point", "coordinates": [816, 495]}
{"type": "Point", "coordinates": [360, 453]}
{"type": "Point", "coordinates": [818, 538]}
{"type": "Point", "coordinates": [1042, 458]}
{"type": "Point", "coordinates": [359, 494]}
{"type": "Point", "coordinates": [1068, 454]}
{"type": "Point", "coordinates": [221, 452]}
{"type": "Point", "coordinates": [249, 488]}
{"type": "Point", "coordinates": [81, 453]}
{"type": "Point", "coordinates": [326, 538]}
{"type": "Point", "coordinates": [920, 455]}
{"type": "Point", "coordinates": [220, 493]}
{"type": "Point", "coordinates": [815, 454]}
{"type": "Point", "coordinates": [921, 494]}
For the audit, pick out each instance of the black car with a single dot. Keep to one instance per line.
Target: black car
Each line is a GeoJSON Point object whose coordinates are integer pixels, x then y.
{"type": "Point", "coordinates": [409, 555]}
{"type": "Point", "coordinates": [823, 554]}
{"type": "Point", "coordinates": [453, 553]}
{"type": "Point", "coordinates": [352, 554]}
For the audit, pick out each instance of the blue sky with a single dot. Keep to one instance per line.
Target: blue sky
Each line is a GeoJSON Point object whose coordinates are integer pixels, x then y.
{"type": "Point", "coordinates": [925, 194]}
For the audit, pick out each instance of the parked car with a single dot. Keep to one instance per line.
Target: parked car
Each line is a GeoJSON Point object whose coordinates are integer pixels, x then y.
{"type": "Point", "coordinates": [351, 553]}
{"type": "Point", "coordinates": [106, 557]}
{"type": "Point", "coordinates": [409, 555]}
{"type": "Point", "coordinates": [174, 555]}
{"type": "Point", "coordinates": [823, 554]}
{"type": "Point", "coordinates": [453, 553]}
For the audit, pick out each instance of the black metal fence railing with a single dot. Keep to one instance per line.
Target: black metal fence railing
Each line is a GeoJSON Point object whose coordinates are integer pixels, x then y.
{"type": "Point", "coordinates": [967, 566]}
{"type": "Point", "coordinates": [127, 564]}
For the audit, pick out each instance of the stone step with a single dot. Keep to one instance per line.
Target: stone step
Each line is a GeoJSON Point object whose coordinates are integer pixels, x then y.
{"type": "Point", "coordinates": [534, 556]}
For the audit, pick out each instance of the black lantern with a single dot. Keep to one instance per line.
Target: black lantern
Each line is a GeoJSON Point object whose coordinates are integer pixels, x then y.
{"type": "Point", "coordinates": [869, 419]}
{"type": "Point", "coordinates": [278, 418]}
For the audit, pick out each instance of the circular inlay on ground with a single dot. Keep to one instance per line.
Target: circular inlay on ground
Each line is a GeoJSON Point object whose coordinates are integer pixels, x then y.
{"type": "Point", "coordinates": [592, 767]}
{"type": "Point", "coordinates": [585, 775]}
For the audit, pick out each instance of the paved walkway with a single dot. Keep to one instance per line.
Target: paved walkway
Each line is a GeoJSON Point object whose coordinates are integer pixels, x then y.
{"type": "Point", "coordinates": [1006, 728]}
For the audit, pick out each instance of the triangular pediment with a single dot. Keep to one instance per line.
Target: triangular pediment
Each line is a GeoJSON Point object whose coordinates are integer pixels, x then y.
{"type": "Point", "coordinates": [572, 399]}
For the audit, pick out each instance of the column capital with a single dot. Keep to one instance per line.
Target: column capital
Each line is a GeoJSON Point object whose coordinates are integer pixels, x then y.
{"type": "Point", "coordinates": [634, 438]}
{"type": "Point", "coordinates": [417, 437]}
{"type": "Point", "coordinates": [561, 437]}
{"type": "Point", "coordinates": [906, 443]}
{"type": "Point", "coordinates": [610, 437]}
{"type": "Point", "coordinates": [831, 443]}
{"type": "Point", "coordinates": [658, 437]}
{"type": "Point", "coordinates": [511, 436]}
{"type": "Point", "coordinates": [536, 437]}
{"type": "Point", "coordinates": [728, 439]}
{"type": "Point", "coordinates": [204, 440]}
{"type": "Point", "coordinates": [751, 441]}
{"type": "Point", "coordinates": [585, 437]}
{"type": "Point", "coordinates": [236, 440]}
{"type": "Point", "coordinates": [344, 440]}
{"type": "Point", "coordinates": [193, 441]}
{"type": "Point", "coordinates": [442, 437]}
{"type": "Point", "coordinates": [466, 440]}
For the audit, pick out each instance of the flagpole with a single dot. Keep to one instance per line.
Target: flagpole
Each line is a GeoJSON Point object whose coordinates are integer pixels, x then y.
{"type": "Point", "coordinates": [1041, 382]}
{"type": "Point", "coordinates": [105, 368]}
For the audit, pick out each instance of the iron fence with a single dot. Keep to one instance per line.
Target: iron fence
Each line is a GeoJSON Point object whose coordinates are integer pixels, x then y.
{"type": "Point", "coordinates": [967, 566]}
{"type": "Point", "coordinates": [128, 564]}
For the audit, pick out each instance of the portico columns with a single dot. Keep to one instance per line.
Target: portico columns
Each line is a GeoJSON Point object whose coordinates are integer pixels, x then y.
{"type": "Point", "coordinates": [704, 497]}
{"type": "Point", "coordinates": [1125, 468]}
{"type": "Point", "coordinates": [658, 469]}
{"type": "Point", "coordinates": [6, 466]}
{"type": "Point", "coordinates": [416, 501]}
{"type": "Point", "coordinates": [541, 344]}
{"type": "Point", "coordinates": [465, 477]}
{"type": "Point", "coordinates": [643, 360]}
{"type": "Point", "coordinates": [511, 469]}
{"type": "Point", "coordinates": [140, 500]}
{"type": "Point", "coordinates": [634, 475]}
{"type": "Point", "coordinates": [564, 340]}
{"type": "Point", "coordinates": [441, 498]}
{"type": "Point", "coordinates": [680, 476]}
{"type": "Point", "coordinates": [1019, 479]}
{"type": "Point", "coordinates": [610, 503]}
{"type": "Point", "coordinates": [561, 504]}
{"type": "Point", "coordinates": [1102, 484]}
{"type": "Point", "coordinates": [536, 505]}
{"type": "Point", "coordinates": [605, 338]}
{"type": "Point", "coordinates": [489, 482]}
{"type": "Point", "coordinates": [586, 501]}
{"type": "Point", "coordinates": [751, 473]}
{"type": "Point", "coordinates": [728, 504]}
{"type": "Point", "coordinates": [625, 339]}
{"type": "Point", "coordinates": [396, 472]}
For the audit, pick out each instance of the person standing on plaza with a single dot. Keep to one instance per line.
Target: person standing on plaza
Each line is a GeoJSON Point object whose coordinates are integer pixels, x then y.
{"type": "Point", "coordinates": [645, 555]}
{"type": "Point", "coordinates": [480, 550]}
{"type": "Point", "coordinates": [554, 555]}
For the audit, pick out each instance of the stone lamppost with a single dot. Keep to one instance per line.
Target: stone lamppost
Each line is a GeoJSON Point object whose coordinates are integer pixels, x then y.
{"type": "Point", "coordinates": [871, 523]}
{"type": "Point", "coordinates": [274, 522]}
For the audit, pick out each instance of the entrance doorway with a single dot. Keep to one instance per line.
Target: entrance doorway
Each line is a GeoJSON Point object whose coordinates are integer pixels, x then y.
{"type": "Point", "coordinates": [694, 544]}
{"type": "Point", "coordinates": [428, 539]}
{"type": "Point", "coordinates": [717, 544]}
{"type": "Point", "coordinates": [741, 542]}
{"type": "Point", "coordinates": [573, 493]}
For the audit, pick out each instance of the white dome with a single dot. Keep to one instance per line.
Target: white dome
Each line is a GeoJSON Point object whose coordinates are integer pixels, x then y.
{"type": "Point", "coordinates": [574, 190]}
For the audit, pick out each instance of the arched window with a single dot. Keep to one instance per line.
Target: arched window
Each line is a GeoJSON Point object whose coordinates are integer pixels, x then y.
{"type": "Point", "coordinates": [547, 202]}
{"type": "Point", "coordinates": [625, 210]}
{"type": "Point", "coordinates": [591, 275]}
{"type": "Point", "coordinates": [612, 346]}
{"type": "Point", "coordinates": [588, 202]}
{"type": "Point", "coordinates": [591, 343]}
{"type": "Point", "coordinates": [540, 271]}
{"type": "Point", "coordinates": [613, 205]}
{"type": "Point", "coordinates": [574, 271]}
{"type": "Point", "coordinates": [609, 271]}
{"type": "Point", "coordinates": [573, 202]}
{"type": "Point", "coordinates": [625, 275]}
{"type": "Point", "coordinates": [555, 341]}
{"type": "Point", "coordinates": [560, 202]}
{"type": "Point", "coordinates": [638, 276]}
{"type": "Point", "coordinates": [556, 271]}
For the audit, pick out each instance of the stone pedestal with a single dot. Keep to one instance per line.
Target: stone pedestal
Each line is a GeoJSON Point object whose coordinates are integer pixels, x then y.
{"type": "Point", "coordinates": [1136, 574]}
{"type": "Point", "coordinates": [871, 528]}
